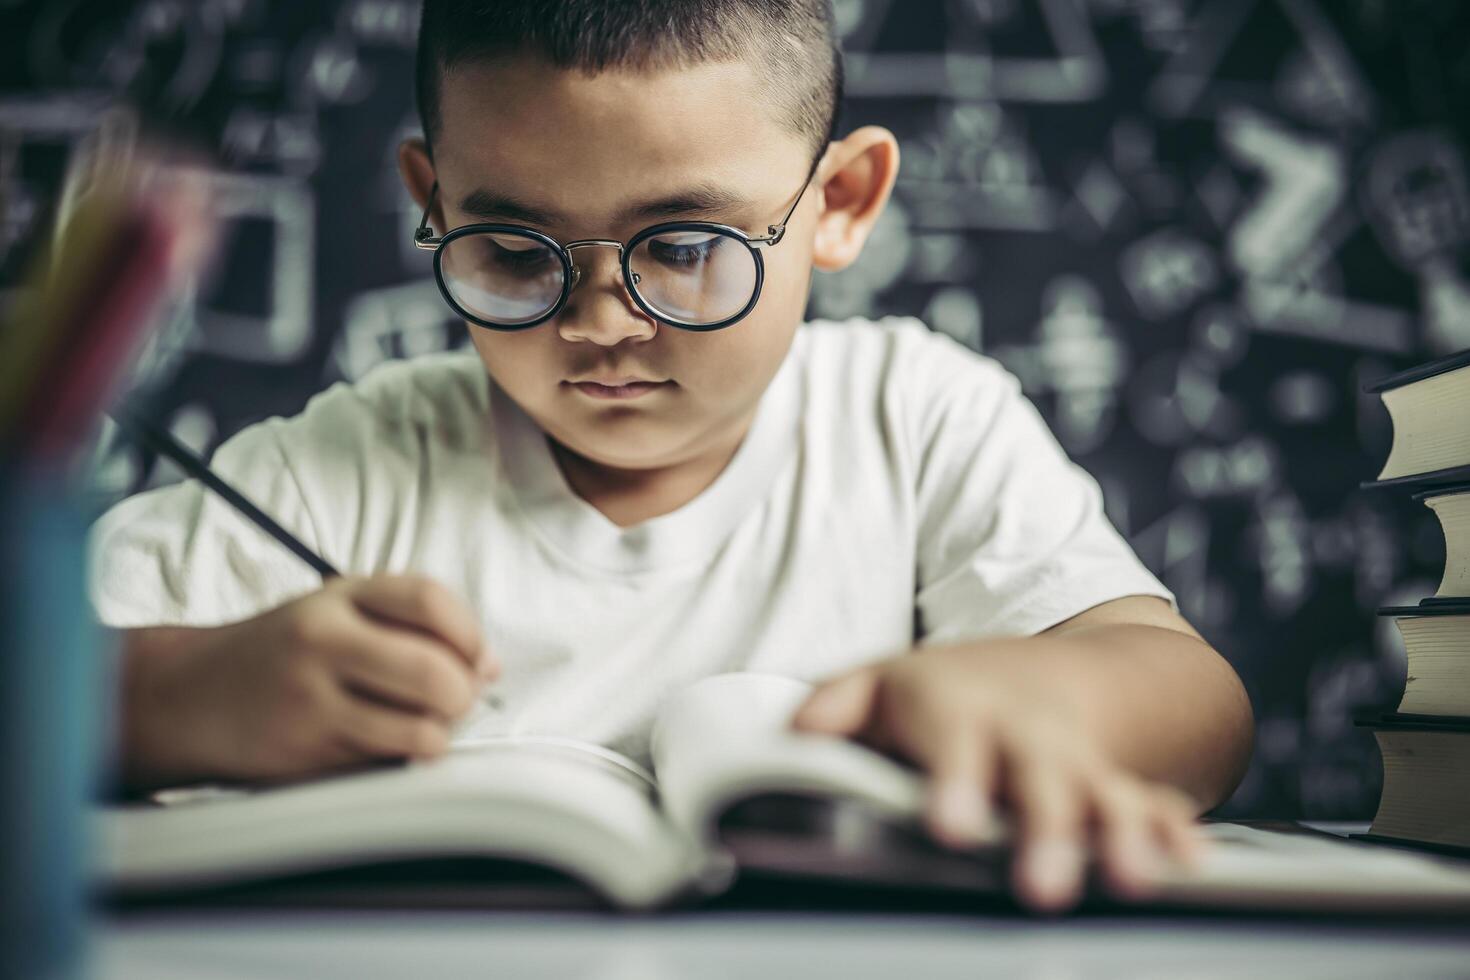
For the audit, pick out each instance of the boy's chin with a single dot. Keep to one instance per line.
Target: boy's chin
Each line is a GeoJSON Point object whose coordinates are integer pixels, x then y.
{"type": "Point", "coordinates": [626, 450]}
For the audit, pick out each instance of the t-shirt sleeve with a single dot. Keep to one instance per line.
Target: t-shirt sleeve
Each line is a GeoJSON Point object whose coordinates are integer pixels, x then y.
{"type": "Point", "coordinates": [350, 476]}
{"type": "Point", "coordinates": [180, 555]}
{"type": "Point", "coordinates": [1012, 534]}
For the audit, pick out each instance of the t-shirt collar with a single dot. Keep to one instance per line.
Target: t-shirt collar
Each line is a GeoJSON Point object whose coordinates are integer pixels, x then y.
{"type": "Point", "coordinates": [688, 534]}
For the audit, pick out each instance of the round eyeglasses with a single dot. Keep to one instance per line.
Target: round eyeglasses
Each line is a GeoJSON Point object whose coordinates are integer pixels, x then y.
{"type": "Point", "coordinates": [695, 275]}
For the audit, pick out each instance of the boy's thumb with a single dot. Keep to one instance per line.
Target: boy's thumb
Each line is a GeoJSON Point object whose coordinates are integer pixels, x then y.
{"type": "Point", "coordinates": [840, 706]}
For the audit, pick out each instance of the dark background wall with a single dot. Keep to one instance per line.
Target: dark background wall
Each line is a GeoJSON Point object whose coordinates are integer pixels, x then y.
{"type": "Point", "coordinates": [1194, 228]}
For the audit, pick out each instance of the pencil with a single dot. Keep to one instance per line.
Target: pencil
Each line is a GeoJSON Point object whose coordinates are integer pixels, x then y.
{"type": "Point", "coordinates": [72, 383]}
{"type": "Point", "coordinates": [162, 442]}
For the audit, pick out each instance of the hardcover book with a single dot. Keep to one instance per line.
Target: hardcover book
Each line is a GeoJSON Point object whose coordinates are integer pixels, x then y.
{"type": "Point", "coordinates": [736, 792]}
{"type": "Point", "coordinates": [1430, 409]}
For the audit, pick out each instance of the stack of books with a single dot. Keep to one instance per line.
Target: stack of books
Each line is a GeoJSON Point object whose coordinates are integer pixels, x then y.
{"type": "Point", "coordinates": [1425, 743]}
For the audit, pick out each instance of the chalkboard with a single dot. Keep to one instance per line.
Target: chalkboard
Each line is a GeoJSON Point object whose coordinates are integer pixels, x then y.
{"type": "Point", "coordinates": [1194, 229]}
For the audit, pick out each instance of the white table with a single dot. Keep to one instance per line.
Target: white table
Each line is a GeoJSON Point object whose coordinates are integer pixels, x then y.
{"type": "Point", "coordinates": [764, 945]}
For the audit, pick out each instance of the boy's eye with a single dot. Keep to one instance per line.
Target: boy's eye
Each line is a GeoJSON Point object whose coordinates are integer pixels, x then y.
{"type": "Point", "coordinates": [686, 248]}
{"type": "Point", "coordinates": [516, 254]}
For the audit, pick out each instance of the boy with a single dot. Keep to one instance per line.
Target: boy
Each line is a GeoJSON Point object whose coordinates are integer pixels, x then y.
{"type": "Point", "coordinates": [647, 472]}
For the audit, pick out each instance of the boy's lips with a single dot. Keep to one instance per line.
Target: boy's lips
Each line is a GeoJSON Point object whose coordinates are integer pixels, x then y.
{"type": "Point", "coordinates": [628, 387]}
{"type": "Point", "coordinates": [614, 381]}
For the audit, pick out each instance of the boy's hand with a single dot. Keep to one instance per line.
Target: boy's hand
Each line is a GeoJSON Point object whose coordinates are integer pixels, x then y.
{"type": "Point", "coordinates": [988, 727]}
{"type": "Point", "coordinates": [363, 669]}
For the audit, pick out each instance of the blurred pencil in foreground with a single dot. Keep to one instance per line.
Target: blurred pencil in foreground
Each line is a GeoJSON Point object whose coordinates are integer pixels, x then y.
{"type": "Point", "coordinates": [121, 248]}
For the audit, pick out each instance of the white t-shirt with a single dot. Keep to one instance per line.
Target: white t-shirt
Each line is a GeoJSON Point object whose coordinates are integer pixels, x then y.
{"type": "Point", "coordinates": [894, 487]}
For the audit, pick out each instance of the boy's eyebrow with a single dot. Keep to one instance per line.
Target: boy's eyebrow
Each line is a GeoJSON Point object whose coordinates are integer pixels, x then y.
{"type": "Point", "coordinates": [699, 199]}
{"type": "Point", "coordinates": [481, 203]}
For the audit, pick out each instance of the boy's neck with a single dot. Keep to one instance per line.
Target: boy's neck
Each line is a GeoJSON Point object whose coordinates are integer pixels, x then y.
{"type": "Point", "coordinates": [627, 497]}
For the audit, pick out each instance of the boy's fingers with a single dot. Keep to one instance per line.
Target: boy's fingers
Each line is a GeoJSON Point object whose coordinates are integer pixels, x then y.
{"type": "Point", "coordinates": [962, 772]}
{"type": "Point", "coordinates": [1126, 838]}
{"type": "Point", "coordinates": [382, 732]}
{"type": "Point", "coordinates": [1176, 826]}
{"type": "Point", "coordinates": [1050, 860]}
{"type": "Point", "coordinates": [841, 706]}
{"type": "Point", "coordinates": [406, 669]}
{"type": "Point", "coordinates": [424, 604]}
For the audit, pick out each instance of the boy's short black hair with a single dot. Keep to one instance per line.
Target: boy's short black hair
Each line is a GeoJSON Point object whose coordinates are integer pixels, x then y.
{"type": "Point", "coordinates": [793, 44]}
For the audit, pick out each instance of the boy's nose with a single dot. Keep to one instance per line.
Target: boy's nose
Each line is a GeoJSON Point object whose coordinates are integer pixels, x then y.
{"type": "Point", "coordinates": [600, 309]}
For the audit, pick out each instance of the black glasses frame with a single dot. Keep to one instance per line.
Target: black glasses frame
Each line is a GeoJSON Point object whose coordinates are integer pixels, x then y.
{"type": "Point", "coordinates": [423, 238]}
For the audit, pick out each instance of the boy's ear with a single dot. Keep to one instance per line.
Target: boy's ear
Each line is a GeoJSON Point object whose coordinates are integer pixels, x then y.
{"type": "Point", "coordinates": [856, 176]}
{"type": "Point", "coordinates": [417, 171]}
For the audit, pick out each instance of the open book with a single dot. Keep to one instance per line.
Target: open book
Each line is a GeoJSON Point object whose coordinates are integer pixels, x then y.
{"type": "Point", "coordinates": [736, 792]}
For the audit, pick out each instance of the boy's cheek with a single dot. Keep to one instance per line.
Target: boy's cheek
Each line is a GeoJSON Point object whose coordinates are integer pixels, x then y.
{"type": "Point", "coordinates": [519, 363]}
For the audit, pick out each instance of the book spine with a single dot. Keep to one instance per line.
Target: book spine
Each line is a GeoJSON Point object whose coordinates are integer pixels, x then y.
{"type": "Point", "coordinates": [1408, 721]}
{"type": "Point", "coordinates": [1429, 484]}
{"type": "Point", "coordinates": [1420, 372]}
{"type": "Point", "coordinates": [1385, 840]}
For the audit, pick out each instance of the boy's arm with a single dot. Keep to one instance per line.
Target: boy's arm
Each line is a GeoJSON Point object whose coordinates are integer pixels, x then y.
{"type": "Point", "coordinates": [1162, 702]}
{"type": "Point", "coordinates": [1110, 731]}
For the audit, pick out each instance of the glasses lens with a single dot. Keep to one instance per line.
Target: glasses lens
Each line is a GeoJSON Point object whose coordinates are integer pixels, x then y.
{"type": "Point", "coordinates": [697, 277]}
{"type": "Point", "coordinates": [502, 277]}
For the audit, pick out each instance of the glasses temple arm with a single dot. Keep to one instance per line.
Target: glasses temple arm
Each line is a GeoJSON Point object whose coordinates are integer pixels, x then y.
{"type": "Point", "coordinates": [774, 233]}
{"type": "Point", "coordinates": [423, 235]}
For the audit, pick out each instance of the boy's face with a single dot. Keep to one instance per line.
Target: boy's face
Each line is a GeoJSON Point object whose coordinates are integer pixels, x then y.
{"type": "Point", "coordinates": [604, 156]}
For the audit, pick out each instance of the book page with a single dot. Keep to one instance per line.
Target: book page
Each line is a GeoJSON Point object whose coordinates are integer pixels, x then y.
{"type": "Point", "coordinates": [1428, 424]}
{"type": "Point", "coordinates": [729, 737]}
{"type": "Point", "coordinates": [1453, 511]}
{"type": "Point", "coordinates": [560, 805]}
{"type": "Point", "coordinates": [1254, 868]}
